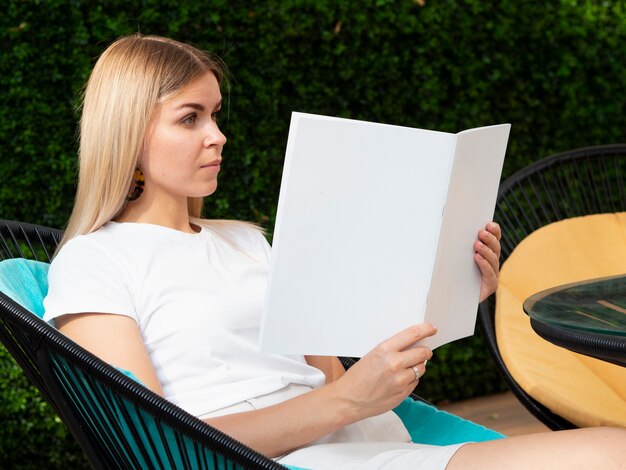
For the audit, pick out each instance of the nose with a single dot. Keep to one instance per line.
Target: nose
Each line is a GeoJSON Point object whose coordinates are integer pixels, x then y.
{"type": "Point", "coordinates": [214, 136]}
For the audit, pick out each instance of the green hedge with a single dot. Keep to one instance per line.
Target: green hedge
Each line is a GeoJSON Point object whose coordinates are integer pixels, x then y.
{"type": "Point", "coordinates": [554, 70]}
{"type": "Point", "coordinates": [31, 435]}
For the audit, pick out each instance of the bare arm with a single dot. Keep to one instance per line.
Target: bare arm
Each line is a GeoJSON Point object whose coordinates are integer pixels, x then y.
{"type": "Point", "coordinates": [115, 339]}
{"type": "Point", "coordinates": [377, 383]}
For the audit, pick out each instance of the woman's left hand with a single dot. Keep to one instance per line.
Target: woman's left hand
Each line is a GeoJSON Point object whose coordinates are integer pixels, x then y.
{"type": "Point", "coordinates": [487, 257]}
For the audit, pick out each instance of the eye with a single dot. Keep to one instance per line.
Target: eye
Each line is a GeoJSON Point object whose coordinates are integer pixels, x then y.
{"type": "Point", "coordinates": [215, 116]}
{"type": "Point", "coordinates": [189, 120]}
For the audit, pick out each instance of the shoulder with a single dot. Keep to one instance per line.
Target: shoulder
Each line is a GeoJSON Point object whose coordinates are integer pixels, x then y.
{"type": "Point", "coordinates": [81, 245]}
{"type": "Point", "coordinates": [101, 251]}
{"type": "Point", "coordinates": [101, 243]}
{"type": "Point", "coordinates": [89, 274]}
{"type": "Point", "coordinates": [125, 250]}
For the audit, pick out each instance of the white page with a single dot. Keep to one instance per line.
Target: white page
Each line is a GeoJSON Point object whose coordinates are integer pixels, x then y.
{"type": "Point", "coordinates": [474, 181]}
{"type": "Point", "coordinates": [358, 216]}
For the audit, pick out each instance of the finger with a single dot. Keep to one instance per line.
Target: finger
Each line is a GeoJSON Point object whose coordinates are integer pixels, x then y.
{"type": "Point", "coordinates": [488, 254]}
{"type": "Point", "coordinates": [491, 240]}
{"type": "Point", "coordinates": [488, 268]}
{"type": "Point", "coordinates": [488, 273]}
{"type": "Point", "coordinates": [495, 229]}
{"type": "Point", "coordinates": [415, 355]}
{"type": "Point", "coordinates": [416, 372]}
{"type": "Point", "coordinates": [409, 336]}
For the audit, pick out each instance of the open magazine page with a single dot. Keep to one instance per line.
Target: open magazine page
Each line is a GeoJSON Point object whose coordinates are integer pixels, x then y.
{"type": "Point", "coordinates": [455, 286]}
{"type": "Point", "coordinates": [356, 234]}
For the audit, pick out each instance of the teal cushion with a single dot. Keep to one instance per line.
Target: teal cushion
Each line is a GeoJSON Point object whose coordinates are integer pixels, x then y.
{"type": "Point", "coordinates": [26, 282]}
{"type": "Point", "coordinates": [429, 425]}
{"type": "Point", "coordinates": [128, 373]}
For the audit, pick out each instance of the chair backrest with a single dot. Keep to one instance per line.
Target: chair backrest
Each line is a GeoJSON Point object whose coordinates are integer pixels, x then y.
{"type": "Point", "coordinates": [576, 183]}
{"type": "Point", "coordinates": [29, 241]}
{"type": "Point", "coordinates": [580, 182]}
{"type": "Point", "coordinates": [118, 422]}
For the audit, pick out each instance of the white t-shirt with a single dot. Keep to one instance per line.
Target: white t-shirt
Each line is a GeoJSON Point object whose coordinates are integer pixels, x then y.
{"type": "Point", "coordinates": [197, 300]}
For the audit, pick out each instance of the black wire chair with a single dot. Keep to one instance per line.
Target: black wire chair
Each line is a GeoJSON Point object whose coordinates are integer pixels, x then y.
{"type": "Point", "coordinates": [117, 422]}
{"type": "Point", "coordinates": [580, 182]}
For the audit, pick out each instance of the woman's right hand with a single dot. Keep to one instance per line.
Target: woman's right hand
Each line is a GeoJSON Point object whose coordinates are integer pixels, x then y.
{"type": "Point", "coordinates": [385, 376]}
{"type": "Point", "coordinates": [374, 385]}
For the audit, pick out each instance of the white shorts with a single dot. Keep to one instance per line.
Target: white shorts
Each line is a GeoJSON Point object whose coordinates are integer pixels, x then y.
{"type": "Point", "coordinates": [379, 442]}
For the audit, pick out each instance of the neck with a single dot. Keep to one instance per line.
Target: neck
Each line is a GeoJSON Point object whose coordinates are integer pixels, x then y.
{"type": "Point", "coordinates": [171, 214]}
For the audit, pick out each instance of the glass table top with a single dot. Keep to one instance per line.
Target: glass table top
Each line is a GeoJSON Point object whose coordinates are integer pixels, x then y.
{"type": "Point", "coordinates": [597, 305]}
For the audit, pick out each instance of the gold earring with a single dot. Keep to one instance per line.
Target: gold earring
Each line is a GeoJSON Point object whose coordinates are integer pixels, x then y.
{"type": "Point", "coordinates": [137, 187]}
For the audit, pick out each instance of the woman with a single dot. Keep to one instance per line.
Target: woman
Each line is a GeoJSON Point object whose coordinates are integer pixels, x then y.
{"type": "Point", "coordinates": [149, 287]}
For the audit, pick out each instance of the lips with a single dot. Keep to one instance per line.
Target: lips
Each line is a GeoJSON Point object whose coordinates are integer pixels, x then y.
{"type": "Point", "coordinates": [214, 163]}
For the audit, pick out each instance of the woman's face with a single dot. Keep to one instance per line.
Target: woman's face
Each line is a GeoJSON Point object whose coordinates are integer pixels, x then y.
{"type": "Point", "coordinates": [183, 148]}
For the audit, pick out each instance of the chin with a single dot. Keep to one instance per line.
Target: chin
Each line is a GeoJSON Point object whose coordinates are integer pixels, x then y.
{"type": "Point", "coordinates": [209, 191]}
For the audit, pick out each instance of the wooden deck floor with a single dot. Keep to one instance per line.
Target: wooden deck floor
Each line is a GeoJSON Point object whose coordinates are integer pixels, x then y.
{"type": "Point", "coordinates": [501, 412]}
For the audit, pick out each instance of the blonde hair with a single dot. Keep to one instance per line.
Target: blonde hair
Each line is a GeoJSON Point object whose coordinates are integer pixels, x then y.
{"type": "Point", "coordinates": [130, 78]}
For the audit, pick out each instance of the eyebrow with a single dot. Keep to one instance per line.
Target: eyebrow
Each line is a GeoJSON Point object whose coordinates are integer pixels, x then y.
{"type": "Point", "coordinates": [198, 106]}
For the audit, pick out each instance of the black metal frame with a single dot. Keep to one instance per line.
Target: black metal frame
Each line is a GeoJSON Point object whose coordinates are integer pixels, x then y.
{"type": "Point", "coordinates": [601, 346]}
{"type": "Point", "coordinates": [580, 182]}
